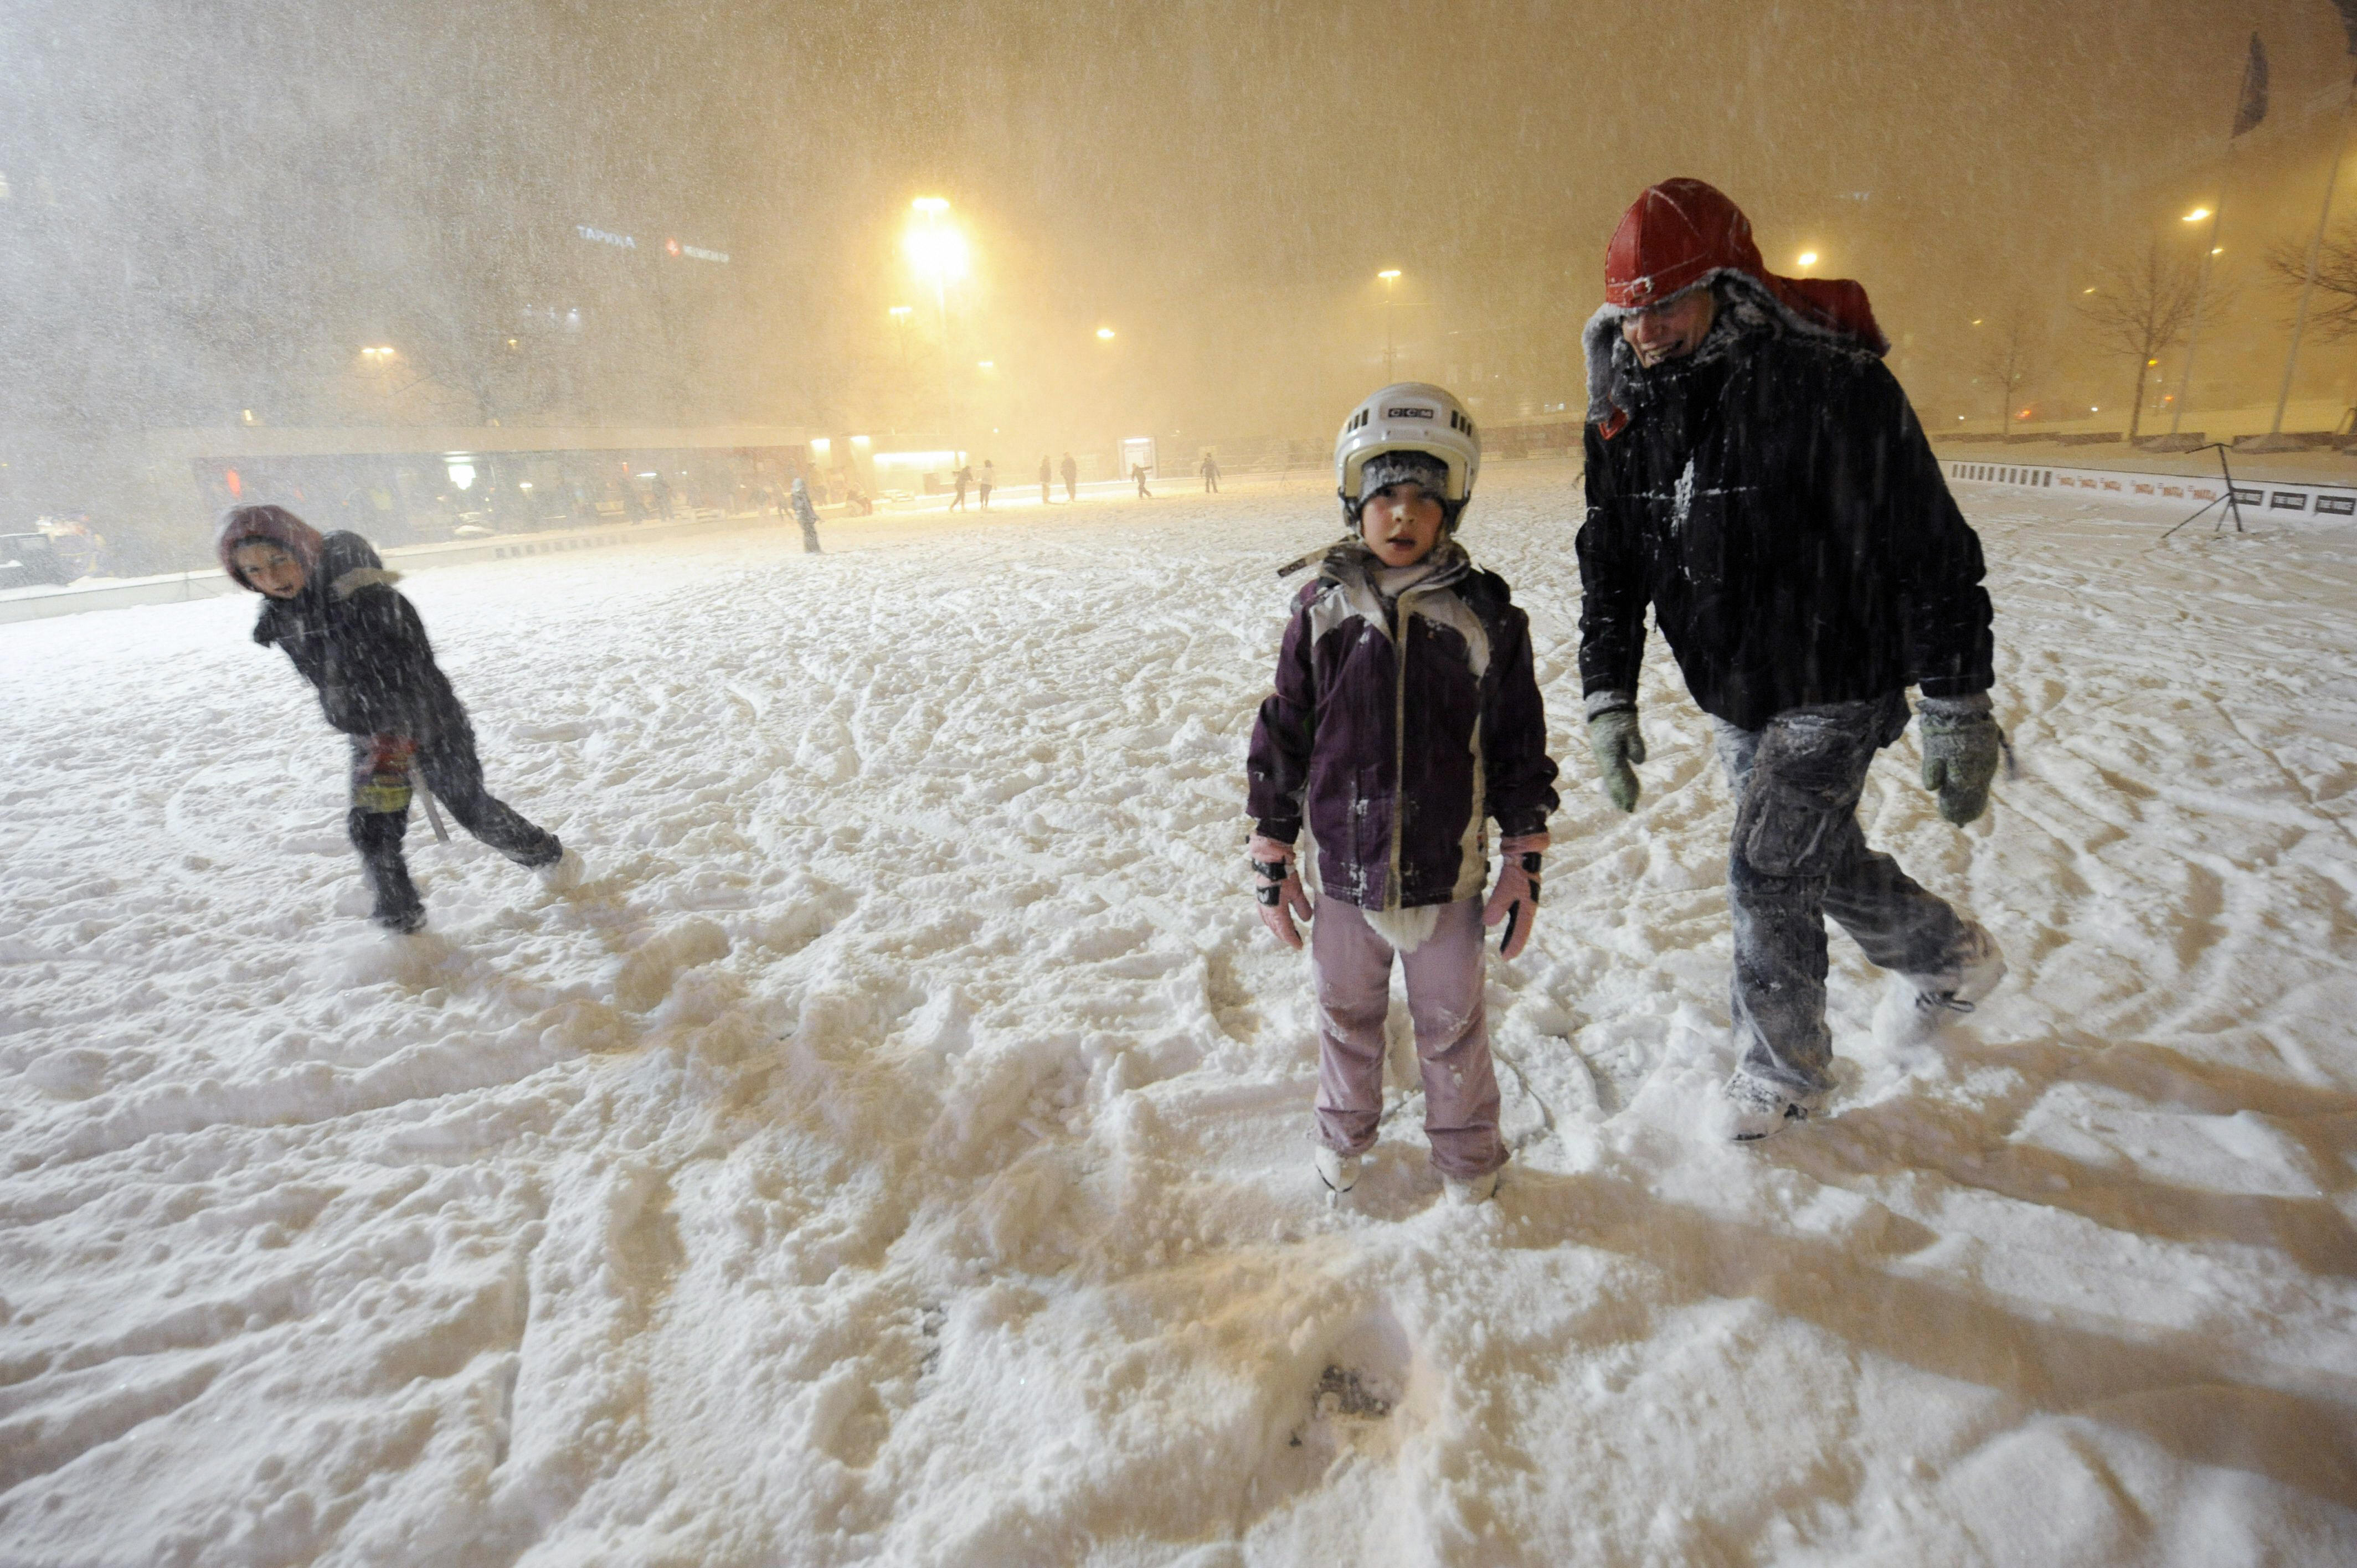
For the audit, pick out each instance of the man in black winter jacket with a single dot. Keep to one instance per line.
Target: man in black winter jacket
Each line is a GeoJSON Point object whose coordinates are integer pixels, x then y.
{"type": "Point", "coordinates": [1756, 476]}
{"type": "Point", "coordinates": [330, 603]}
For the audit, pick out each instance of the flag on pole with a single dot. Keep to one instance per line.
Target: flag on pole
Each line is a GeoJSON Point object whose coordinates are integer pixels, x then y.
{"type": "Point", "coordinates": [2253, 105]}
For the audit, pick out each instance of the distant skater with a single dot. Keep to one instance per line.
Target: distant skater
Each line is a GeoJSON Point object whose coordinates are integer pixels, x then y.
{"type": "Point", "coordinates": [1210, 470]}
{"type": "Point", "coordinates": [989, 478]}
{"type": "Point", "coordinates": [807, 515]}
{"type": "Point", "coordinates": [1137, 472]}
{"type": "Point", "coordinates": [1045, 481]}
{"type": "Point", "coordinates": [331, 603]}
{"type": "Point", "coordinates": [965, 477]}
{"type": "Point", "coordinates": [1071, 478]}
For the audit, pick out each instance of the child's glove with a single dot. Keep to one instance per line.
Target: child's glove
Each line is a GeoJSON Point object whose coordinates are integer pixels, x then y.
{"type": "Point", "coordinates": [1515, 898]}
{"type": "Point", "coordinates": [1961, 743]}
{"type": "Point", "coordinates": [1282, 897]}
{"type": "Point", "coordinates": [1614, 738]}
{"type": "Point", "coordinates": [382, 781]}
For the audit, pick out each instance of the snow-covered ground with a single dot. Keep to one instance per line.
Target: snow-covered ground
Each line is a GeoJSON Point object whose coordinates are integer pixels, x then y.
{"type": "Point", "coordinates": [898, 1152]}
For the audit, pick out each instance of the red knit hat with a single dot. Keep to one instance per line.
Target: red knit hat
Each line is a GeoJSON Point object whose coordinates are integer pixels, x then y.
{"type": "Point", "coordinates": [270, 525]}
{"type": "Point", "coordinates": [1681, 231]}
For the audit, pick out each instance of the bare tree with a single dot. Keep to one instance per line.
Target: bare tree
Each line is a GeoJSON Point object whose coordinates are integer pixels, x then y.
{"type": "Point", "coordinates": [2008, 357]}
{"type": "Point", "coordinates": [2142, 307]}
{"type": "Point", "coordinates": [2335, 315]}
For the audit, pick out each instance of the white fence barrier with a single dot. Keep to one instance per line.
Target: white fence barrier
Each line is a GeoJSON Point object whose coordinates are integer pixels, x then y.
{"type": "Point", "coordinates": [2134, 486]}
{"type": "Point", "coordinates": [37, 604]}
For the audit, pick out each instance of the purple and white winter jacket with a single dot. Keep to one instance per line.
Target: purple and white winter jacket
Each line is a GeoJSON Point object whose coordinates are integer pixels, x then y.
{"type": "Point", "coordinates": [1398, 726]}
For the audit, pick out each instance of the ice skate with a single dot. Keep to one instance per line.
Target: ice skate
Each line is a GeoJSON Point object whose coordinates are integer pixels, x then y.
{"type": "Point", "coordinates": [1464, 1192]}
{"type": "Point", "coordinates": [1339, 1172]}
{"type": "Point", "coordinates": [1750, 1108]}
{"type": "Point", "coordinates": [1918, 1006]}
{"type": "Point", "coordinates": [564, 873]}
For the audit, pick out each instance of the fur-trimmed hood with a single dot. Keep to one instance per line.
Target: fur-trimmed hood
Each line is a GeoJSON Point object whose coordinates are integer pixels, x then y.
{"type": "Point", "coordinates": [259, 520]}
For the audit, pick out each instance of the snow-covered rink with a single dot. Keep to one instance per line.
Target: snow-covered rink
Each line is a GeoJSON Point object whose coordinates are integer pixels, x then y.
{"type": "Point", "coordinates": [898, 1152]}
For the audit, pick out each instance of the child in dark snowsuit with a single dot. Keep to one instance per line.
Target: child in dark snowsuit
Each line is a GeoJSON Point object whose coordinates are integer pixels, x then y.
{"type": "Point", "coordinates": [1406, 717]}
{"type": "Point", "coordinates": [331, 603]}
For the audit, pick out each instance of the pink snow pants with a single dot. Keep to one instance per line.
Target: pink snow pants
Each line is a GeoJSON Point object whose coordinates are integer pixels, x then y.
{"type": "Point", "coordinates": [1445, 977]}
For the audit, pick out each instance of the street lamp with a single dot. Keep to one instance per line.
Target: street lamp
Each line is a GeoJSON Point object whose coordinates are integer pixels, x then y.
{"type": "Point", "coordinates": [1105, 334]}
{"type": "Point", "coordinates": [1808, 258]}
{"type": "Point", "coordinates": [1389, 276]}
{"type": "Point", "coordinates": [899, 315]}
{"type": "Point", "coordinates": [937, 252]}
{"type": "Point", "coordinates": [2201, 298]}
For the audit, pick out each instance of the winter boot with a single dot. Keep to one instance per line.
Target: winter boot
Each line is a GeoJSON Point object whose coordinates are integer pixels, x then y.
{"type": "Point", "coordinates": [398, 907]}
{"type": "Point", "coordinates": [1918, 1006]}
{"type": "Point", "coordinates": [561, 874]}
{"type": "Point", "coordinates": [1465, 1191]}
{"type": "Point", "coordinates": [1750, 1108]}
{"type": "Point", "coordinates": [1338, 1171]}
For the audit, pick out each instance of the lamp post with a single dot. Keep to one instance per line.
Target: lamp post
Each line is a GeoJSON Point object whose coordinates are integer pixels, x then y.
{"type": "Point", "coordinates": [1389, 276]}
{"type": "Point", "coordinates": [2201, 298]}
{"type": "Point", "coordinates": [936, 252]}
{"type": "Point", "coordinates": [901, 313]}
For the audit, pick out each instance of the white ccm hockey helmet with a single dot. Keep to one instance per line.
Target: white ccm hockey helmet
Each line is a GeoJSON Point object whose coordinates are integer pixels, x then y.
{"type": "Point", "coordinates": [1409, 416]}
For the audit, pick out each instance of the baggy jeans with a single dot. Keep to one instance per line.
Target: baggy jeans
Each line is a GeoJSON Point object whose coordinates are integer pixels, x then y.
{"type": "Point", "coordinates": [1445, 978]}
{"type": "Point", "coordinates": [1799, 856]}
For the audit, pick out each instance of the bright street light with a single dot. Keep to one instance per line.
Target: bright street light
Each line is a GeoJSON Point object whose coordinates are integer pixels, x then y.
{"type": "Point", "coordinates": [2196, 216]}
{"type": "Point", "coordinates": [1808, 258]}
{"type": "Point", "coordinates": [1105, 334]}
{"type": "Point", "coordinates": [936, 252]}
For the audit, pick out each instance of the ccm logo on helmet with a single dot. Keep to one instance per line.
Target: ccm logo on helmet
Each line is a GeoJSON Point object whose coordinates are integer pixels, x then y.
{"type": "Point", "coordinates": [1407, 414]}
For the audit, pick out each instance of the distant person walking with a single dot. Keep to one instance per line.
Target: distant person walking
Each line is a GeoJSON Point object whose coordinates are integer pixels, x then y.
{"type": "Point", "coordinates": [1137, 472]}
{"type": "Point", "coordinates": [1046, 478]}
{"type": "Point", "coordinates": [807, 515]}
{"type": "Point", "coordinates": [1210, 470]}
{"type": "Point", "coordinates": [965, 477]}
{"type": "Point", "coordinates": [989, 478]}
{"type": "Point", "coordinates": [1071, 478]}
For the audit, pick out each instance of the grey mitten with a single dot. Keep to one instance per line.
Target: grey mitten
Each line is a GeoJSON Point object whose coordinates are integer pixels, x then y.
{"type": "Point", "coordinates": [1961, 746]}
{"type": "Point", "coordinates": [1613, 736]}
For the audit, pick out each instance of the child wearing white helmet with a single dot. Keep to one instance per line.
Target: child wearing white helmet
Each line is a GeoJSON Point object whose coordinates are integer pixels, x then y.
{"type": "Point", "coordinates": [1406, 719]}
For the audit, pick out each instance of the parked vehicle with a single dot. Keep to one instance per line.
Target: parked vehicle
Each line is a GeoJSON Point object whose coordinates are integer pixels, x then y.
{"type": "Point", "coordinates": [30, 560]}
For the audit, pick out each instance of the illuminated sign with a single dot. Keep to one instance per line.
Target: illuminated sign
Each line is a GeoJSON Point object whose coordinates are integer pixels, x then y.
{"type": "Point", "coordinates": [619, 241]}
{"type": "Point", "coordinates": [696, 252]}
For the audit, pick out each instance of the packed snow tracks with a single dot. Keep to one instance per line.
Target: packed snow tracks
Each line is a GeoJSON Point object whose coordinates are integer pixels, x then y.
{"type": "Point", "coordinates": [896, 1151]}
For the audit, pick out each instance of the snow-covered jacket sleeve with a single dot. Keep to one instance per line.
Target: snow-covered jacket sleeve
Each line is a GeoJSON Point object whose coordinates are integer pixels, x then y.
{"type": "Point", "coordinates": [1613, 591]}
{"type": "Point", "coordinates": [1935, 557]}
{"type": "Point", "coordinates": [1277, 766]}
{"type": "Point", "coordinates": [381, 677]}
{"type": "Point", "coordinates": [1515, 767]}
